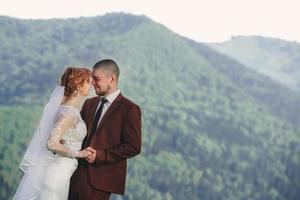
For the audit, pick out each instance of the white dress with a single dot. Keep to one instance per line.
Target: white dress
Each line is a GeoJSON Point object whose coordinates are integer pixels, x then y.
{"type": "Point", "coordinates": [71, 129]}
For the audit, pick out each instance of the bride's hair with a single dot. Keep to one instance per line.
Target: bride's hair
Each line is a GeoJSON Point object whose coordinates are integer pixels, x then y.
{"type": "Point", "coordinates": [73, 77]}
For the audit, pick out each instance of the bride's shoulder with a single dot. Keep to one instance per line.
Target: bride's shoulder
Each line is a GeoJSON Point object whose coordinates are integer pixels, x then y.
{"type": "Point", "coordinates": [67, 110]}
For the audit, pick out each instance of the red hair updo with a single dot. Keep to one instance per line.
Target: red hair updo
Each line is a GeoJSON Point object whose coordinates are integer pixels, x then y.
{"type": "Point", "coordinates": [73, 77]}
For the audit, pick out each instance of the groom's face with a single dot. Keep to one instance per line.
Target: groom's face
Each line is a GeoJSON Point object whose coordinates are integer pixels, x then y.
{"type": "Point", "coordinates": [101, 81]}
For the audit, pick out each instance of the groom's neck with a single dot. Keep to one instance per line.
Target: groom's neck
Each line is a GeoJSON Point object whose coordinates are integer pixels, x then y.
{"type": "Point", "coordinates": [111, 91]}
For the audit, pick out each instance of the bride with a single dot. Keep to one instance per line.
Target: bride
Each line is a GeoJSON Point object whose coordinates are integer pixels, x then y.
{"type": "Point", "coordinates": [50, 159]}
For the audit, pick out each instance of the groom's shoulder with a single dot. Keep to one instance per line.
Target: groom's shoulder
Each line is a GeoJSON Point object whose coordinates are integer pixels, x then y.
{"type": "Point", "coordinates": [128, 102]}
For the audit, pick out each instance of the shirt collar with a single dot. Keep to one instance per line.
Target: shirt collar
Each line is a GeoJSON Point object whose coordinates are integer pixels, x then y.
{"type": "Point", "coordinates": [110, 98]}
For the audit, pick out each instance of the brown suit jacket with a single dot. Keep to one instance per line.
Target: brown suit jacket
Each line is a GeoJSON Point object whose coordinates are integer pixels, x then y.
{"type": "Point", "coordinates": [117, 138]}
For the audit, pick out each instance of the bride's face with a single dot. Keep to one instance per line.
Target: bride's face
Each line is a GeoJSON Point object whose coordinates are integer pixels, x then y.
{"type": "Point", "coordinates": [85, 89]}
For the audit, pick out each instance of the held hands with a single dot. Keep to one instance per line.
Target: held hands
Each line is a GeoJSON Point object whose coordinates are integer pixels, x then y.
{"type": "Point", "coordinates": [91, 155]}
{"type": "Point", "coordinates": [82, 154]}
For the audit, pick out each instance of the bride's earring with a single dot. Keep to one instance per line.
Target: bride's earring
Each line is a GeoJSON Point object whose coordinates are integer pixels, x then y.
{"type": "Point", "coordinates": [76, 92]}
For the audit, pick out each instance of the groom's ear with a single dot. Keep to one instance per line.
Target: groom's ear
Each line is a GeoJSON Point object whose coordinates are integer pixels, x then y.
{"type": "Point", "coordinates": [113, 77]}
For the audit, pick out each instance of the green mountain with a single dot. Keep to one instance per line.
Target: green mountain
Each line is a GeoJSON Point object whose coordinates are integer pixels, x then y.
{"type": "Point", "coordinates": [278, 59]}
{"type": "Point", "coordinates": [206, 133]}
{"type": "Point", "coordinates": [277, 98]}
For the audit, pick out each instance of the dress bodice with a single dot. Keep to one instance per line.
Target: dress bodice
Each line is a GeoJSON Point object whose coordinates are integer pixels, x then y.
{"type": "Point", "coordinates": [70, 130]}
{"type": "Point", "coordinates": [74, 136]}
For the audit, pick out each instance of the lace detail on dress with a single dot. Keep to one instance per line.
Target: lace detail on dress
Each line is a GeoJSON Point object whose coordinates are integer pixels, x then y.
{"type": "Point", "coordinates": [70, 129]}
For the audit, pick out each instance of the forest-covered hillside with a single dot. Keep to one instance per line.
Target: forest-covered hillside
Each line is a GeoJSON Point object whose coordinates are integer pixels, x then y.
{"type": "Point", "coordinates": [211, 129]}
{"type": "Point", "coordinates": [276, 58]}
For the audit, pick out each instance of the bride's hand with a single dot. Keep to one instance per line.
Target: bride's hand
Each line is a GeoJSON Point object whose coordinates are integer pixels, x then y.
{"type": "Point", "coordinates": [83, 153]}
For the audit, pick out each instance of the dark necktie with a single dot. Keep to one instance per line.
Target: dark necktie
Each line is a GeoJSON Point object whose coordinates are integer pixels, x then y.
{"type": "Point", "coordinates": [96, 120]}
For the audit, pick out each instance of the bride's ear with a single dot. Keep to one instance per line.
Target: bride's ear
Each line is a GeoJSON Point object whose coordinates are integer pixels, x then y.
{"type": "Point", "coordinates": [80, 89]}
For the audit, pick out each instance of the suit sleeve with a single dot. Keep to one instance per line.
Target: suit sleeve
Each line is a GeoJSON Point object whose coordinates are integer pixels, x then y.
{"type": "Point", "coordinates": [131, 137]}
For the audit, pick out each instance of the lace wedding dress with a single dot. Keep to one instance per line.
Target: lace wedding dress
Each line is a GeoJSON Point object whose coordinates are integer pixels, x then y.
{"type": "Point", "coordinates": [70, 129]}
{"type": "Point", "coordinates": [51, 179]}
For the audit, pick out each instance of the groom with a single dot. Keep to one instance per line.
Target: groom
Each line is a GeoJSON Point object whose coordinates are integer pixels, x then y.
{"type": "Point", "coordinates": [113, 135]}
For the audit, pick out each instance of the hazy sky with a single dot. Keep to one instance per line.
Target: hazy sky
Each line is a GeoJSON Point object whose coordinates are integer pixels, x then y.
{"type": "Point", "coordinates": [202, 20]}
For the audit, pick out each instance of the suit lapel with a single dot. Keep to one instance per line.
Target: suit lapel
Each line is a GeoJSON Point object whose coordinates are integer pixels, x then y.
{"type": "Point", "coordinates": [110, 110]}
{"type": "Point", "coordinates": [92, 114]}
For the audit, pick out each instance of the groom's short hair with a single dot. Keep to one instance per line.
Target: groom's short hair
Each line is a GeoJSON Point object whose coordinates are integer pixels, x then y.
{"type": "Point", "coordinates": [108, 65]}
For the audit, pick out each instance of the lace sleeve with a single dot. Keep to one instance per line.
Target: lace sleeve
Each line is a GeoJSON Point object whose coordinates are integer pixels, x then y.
{"type": "Point", "coordinates": [66, 120]}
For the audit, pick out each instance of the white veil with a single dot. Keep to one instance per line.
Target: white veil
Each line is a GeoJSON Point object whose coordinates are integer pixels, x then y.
{"type": "Point", "coordinates": [37, 156]}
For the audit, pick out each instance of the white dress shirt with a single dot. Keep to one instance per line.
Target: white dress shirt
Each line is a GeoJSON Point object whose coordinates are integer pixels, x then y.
{"type": "Point", "coordinates": [110, 98]}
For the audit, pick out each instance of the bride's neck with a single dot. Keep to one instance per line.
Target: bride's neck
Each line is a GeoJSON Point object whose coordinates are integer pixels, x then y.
{"type": "Point", "coordinates": [72, 101]}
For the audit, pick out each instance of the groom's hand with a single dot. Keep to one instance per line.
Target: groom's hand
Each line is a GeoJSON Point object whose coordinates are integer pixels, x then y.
{"type": "Point", "coordinates": [91, 156]}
